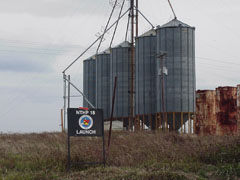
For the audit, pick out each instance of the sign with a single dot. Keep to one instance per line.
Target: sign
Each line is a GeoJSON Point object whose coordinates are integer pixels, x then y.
{"type": "Point", "coordinates": [85, 122]}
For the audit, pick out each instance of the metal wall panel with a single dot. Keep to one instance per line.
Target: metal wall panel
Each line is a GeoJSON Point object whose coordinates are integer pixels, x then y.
{"type": "Point", "coordinates": [146, 75]}
{"type": "Point", "coordinates": [103, 83]}
{"type": "Point", "coordinates": [226, 111]}
{"type": "Point", "coordinates": [206, 120]}
{"type": "Point", "coordinates": [180, 84]}
{"type": "Point", "coordinates": [89, 81]}
{"type": "Point", "coordinates": [120, 66]}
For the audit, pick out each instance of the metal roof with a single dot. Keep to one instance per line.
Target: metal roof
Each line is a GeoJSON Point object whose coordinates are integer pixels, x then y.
{"type": "Point", "coordinates": [91, 58]}
{"type": "Point", "coordinates": [107, 51]}
{"type": "Point", "coordinates": [123, 44]}
{"type": "Point", "coordinates": [151, 32]}
{"type": "Point", "coordinates": [174, 23]}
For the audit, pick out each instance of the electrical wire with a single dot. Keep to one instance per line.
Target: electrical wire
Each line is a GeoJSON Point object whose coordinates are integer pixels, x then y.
{"type": "Point", "coordinates": [219, 61]}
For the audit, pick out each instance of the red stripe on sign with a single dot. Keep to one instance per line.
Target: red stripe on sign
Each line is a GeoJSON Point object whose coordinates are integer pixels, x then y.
{"type": "Point", "coordinates": [83, 108]}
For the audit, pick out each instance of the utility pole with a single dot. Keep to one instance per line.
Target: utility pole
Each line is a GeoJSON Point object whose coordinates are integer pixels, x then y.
{"type": "Point", "coordinates": [161, 57]}
{"type": "Point", "coordinates": [132, 67]}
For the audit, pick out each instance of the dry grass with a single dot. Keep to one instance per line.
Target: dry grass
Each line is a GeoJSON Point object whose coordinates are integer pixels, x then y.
{"type": "Point", "coordinates": [142, 155]}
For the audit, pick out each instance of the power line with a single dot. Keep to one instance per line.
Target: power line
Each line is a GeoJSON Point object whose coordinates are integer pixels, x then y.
{"type": "Point", "coordinates": [220, 61]}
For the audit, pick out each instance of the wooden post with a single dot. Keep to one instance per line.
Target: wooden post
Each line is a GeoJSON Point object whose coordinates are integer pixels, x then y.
{"type": "Point", "coordinates": [194, 123]}
{"type": "Point", "coordinates": [184, 125]}
{"type": "Point", "coordinates": [181, 122]}
{"type": "Point", "coordinates": [112, 111]}
{"type": "Point", "coordinates": [174, 125]}
{"type": "Point", "coordinates": [160, 123]}
{"type": "Point", "coordinates": [143, 122]}
{"type": "Point", "coordinates": [165, 120]}
{"type": "Point", "coordinates": [157, 121]}
{"type": "Point", "coordinates": [62, 120]}
{"type": "Point", "coordinates": [150, 122]}
{"type": "Point", "coordinates": [189, 123]}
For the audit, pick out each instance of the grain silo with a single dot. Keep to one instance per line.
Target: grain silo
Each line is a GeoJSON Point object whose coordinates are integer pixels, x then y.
{"type": "Point", "coordinates": [120, 66]}
{"type": "Point", "coordinates": [178, 41]}
{"type": "Point", "coordinates": [89, 81]}
{"type": "Point", "coordinates": [103, 82]}
{"type": "Point", "coordinates": [146, 76]}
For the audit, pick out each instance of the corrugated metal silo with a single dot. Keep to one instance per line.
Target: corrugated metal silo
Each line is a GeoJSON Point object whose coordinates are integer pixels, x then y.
{"type": "Point", "coordinates": [89, 80]}
{"type": "Point", "coordinates": [120, 66]}
{"type": "Point", "coordinates": [146, 75]}
{"type": "Point", "coordinates": [103, 82]}
{"type": "Point", "coordinates": [178, 41]}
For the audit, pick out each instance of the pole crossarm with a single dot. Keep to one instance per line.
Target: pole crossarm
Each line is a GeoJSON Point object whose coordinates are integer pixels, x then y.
{"type": "Point", "coordinates": [80, 92]}
{"type": "Point", "coordinates": [95, 41]}
{"type": "Point", "coordinates": [144, 17]}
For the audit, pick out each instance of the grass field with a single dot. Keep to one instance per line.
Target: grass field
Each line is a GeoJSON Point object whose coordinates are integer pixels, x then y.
{"type": "Point", "coordinates": [132, 156]}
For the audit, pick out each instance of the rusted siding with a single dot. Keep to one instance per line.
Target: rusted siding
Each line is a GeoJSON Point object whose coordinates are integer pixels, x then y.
{"type": "Point", "coordinates": [218, 112]}
{"type": "Point", "coordinates": [206, 112]}
{"type": "Point", "coordinates": [238, 108]}
{"type": "Point", "coordinates": [226, 110]}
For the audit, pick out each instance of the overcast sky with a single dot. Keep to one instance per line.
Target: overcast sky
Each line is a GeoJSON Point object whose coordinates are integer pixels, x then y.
{"type": "Point", "coordinates": [38, 39]}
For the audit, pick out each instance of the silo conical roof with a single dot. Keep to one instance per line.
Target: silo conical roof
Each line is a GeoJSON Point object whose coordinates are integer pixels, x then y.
{"type": "Point", "coordinates": [123, 44]}
{"type": "Point", "coordinates": [93, 57]}
{"type": "Point", "coordinates": [151, 32]}
{"type": "Point", "coordinates": [175, 23]}
{"type": "Point", "coordinates": [107, 51]}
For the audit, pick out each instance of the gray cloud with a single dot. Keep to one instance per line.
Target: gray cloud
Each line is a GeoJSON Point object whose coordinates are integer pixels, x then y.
{"type": "Point", "coordinates": [24, 63]}
{"type": "Point", "coordinates": [53, 8]}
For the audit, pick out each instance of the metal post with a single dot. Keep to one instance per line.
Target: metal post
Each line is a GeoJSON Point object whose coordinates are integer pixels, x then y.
{"type": "Point", "coordinates": [64, 100]}
{"type": "Point", "coordinates": [68, 137]}
{"type": "Point", "coordinates": [104, 156]}
{"type": "Point", "coordinates": [69, 93]}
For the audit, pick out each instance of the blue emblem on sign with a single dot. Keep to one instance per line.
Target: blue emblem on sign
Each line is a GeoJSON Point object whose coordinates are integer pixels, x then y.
{"type": "Point", "coordinates": [86, 122]}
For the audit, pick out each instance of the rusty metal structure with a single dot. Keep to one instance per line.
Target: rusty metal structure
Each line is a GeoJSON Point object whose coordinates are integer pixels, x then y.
{"type": "Point", "coordinates": [217, 111]}
{"type": "Point", "coordinates": [226, 110]}
{"type": "Point", "coordinates": [206, 112]}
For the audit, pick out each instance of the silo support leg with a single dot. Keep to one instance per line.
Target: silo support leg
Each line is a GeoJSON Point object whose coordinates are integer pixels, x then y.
{"type": "Point", "coordinates": [181, 122]}
{"type": "Point", "coordinates": [189, 123]}
{"type": "Point", "coordinates": [174, 126]}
